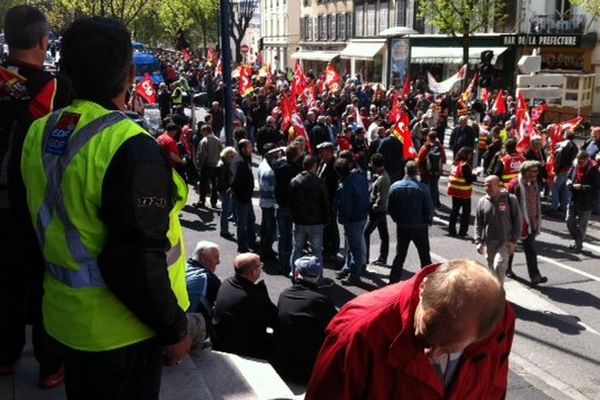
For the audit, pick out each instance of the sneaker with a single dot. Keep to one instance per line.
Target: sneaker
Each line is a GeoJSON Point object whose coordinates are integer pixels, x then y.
{"type": "Point", "coordinates": [198, 205]}
{"type": "Point", "coordinates": [341, 274]}
{"type": "Point", "coordinates": [379, 263]}
{"type": "Point", "coordinates": [575, 248]}
{"type": "Point", "coordinates": [510, 273]}
{"type": "Point", "coordinates": [536, 280]}
{"type": "Point", "coordinates": [50, 381]}
{"type": "Point", "coordinates": [349, 281]}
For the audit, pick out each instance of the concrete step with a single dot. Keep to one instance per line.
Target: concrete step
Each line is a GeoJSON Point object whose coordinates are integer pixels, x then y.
{"type": "Point", "coordinates": [232, 377]}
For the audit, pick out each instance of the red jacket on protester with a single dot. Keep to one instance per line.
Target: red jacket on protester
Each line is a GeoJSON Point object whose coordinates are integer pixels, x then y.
{"type": "Point", "coordinates": [370, 352]}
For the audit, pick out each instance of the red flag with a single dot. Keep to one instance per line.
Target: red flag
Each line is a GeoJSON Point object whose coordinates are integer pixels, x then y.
{"type": "Point", "coordinates": [332, 78]}
{"type": "Point", "coordinates": [288, 107]}
{"type": "Point", "coordinates": [245, 83]}
{"type": "Point", "coordinates": [358, 118]}
{"type": "Point", "coordinates": [212, 56]}
{"type": "Point", "coordinates": [537, 111]}
{"type": "Point", "coordinates": [406, 88]}
{"type": "Point", "coordinates": [571, 124]}
{"type": "Point", "coordinates": [402, 132]}
{"type": "Point", "coordinates": [526, 130]}
{"type": "Point", "coordinates": [485, 97]}
{"type": "Point", "coordinates": [522, 109]}
{"type": "Point", "coordinates": [556, 136]}
{"type": "Point", "coordinates": [467, 95]}
{"type": "Point", "coordinates": [145, 89]}
{"type": "Point", "coordinates": [186, 54]}
{"type": "Point", "coordinates": [500, 104]}
{"type": "Point", "coordinates": [300, 130]}
{"type": "Point", "coordinates": [310, 94]}
{"type": "Point", "coordinates": [396, 111]}
{"type": "Point", "coordinates": [299, 81]}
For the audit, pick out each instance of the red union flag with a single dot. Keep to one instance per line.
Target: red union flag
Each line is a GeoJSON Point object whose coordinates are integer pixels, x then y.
{"type": "Point", "coordinates": [299, 81]}
{"type": "Point", "coordinates": [499, 104]}
{"type": "Point", "coordinates": [402, 132]}
{"type": "Point", "coordinates": [406, 88]}
{"type": "Point", "coordinates": [537, 111]}
{"type": "Point", "coordinates": [300, 130]}
{"type": "Point", "coordinates": [245, 83]}
{"type": "Point", "coordinates": [145, 89]}
{"type": "Point", "coordinates": [332, 78]}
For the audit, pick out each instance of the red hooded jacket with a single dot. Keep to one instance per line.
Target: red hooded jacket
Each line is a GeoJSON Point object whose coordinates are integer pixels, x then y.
{"type": "Point", "coordinates": [371, 353]}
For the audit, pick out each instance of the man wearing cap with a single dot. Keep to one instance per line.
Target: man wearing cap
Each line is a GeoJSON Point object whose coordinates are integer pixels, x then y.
{"type": "Point", "coordinates": [243, 311]}
{"type": "Point", "coordinates": [268, 134]}
{"type": "Point", "coordinates": [304, 313]}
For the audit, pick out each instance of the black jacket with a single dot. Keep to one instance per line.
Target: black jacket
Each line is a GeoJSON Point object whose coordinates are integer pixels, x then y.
{"type": "Point", "coordinates": [242, 183]}
{"type": "Point", "coordinates": [304, 313]}
{"type": "Point", "coordinates": [584, 199]}
{"type": "Point", "coordinates": [330, 178]}
{"type": "Point", "coordinates": [565, 155]}
{"type": "Point", "coordinates": [284, 173]}
{"type": "Point", "coordinates": [224, 175]}
{"type": "Point", "coordinates": [265, 135]}
{"type": "Point", "coordinates": [243, 311]}
{"type": "Point", "coordinates": [308, 200]}
{"type": "Point", "coordinates": [318, 134]}
{"type": "Point", "coordinates": [462, 136]}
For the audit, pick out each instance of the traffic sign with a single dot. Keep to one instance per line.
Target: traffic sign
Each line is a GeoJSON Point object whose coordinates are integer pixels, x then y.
{"type": "Point", "coordinates": [541, 80]}
{"type": "Point", "coordinates": [540, 92]}
{"type": "Point", "coordinates": [245, 48]}
{"type": "Point", "coordinates": [530, 64]}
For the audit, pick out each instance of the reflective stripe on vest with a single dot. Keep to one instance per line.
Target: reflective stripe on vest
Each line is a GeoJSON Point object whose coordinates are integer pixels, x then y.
{"type": "Point", "coordinates": [457, 185]}
{"type": "Point", "coordinates": [54, 165]}
{"type": "Point", "coordinates": [511, 167]}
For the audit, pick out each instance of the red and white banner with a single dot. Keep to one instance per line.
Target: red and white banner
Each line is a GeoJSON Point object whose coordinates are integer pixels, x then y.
{"type": "Point", "coordinates": [145, 89]}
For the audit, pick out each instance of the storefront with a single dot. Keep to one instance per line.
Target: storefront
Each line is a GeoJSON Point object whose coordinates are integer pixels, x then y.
{"type": "Point", "coordinates": [366, 58]}
{"type": "Point", "coordinates": [317, 60]}
{"type": "Point", "coordinates": [569, 55]}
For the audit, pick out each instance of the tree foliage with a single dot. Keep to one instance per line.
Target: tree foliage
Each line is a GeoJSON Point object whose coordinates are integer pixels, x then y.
{"type": "Point", "coordinates": [462, 18]}
{"type": "Point", "coordinates": [591, 7]}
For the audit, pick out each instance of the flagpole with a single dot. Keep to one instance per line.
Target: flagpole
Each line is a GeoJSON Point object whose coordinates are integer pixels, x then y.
{"type": "Point", "coordinates": [226, 64]}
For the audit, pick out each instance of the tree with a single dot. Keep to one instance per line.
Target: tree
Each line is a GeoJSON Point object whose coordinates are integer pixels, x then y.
{"type": "Point", "coordinates": [462, 18]}
{"type": "Point", "coordinates": [240, 15]}
{"type": "Point", "coordinates": [591, 7]}
{"type": "Point", "coordinates": [125, 11]}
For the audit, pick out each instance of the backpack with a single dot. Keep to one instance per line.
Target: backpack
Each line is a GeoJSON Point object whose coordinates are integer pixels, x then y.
{"type": "Point", "coordinates": [434, 161]}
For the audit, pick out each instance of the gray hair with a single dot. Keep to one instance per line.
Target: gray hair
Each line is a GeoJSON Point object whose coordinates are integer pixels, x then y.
{"type": "Point", "coordinates": [529, 164]}
{"type": "Point", "coordinates": [204, 247]}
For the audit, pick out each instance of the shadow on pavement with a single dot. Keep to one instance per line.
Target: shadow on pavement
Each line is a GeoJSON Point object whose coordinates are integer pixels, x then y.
{"type": "Point", "coordinates": [554, 250]}
{"type": "Point", "coordinates": [567, 324]}
{"type": "Point", "coordinates": [571, 296]}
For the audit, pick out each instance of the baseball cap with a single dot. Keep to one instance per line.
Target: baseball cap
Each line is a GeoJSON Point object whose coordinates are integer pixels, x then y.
{"type": "Point", "coordinates": [308, 267]}
{"type": "Point", "coordinates": [325, 145]}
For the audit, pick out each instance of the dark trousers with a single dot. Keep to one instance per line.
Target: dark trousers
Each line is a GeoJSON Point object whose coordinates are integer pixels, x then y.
{"type": "Point", "coordinates": [529, 248]}
{"type": "Point", "coordinates": [21, 290]}
{"type": "Point", "coordinates": [457, 205]}
{"type": "Point", "coordinates": [434, 189]}
{"type": "Point", "coordinates": [331, 235]}
{"type": "Point", "coordinates": [128, 373]}
{"type": "Point", "coordinates": [378, 220]}
{"type": "Point", "coordinates": [244, 219]}
{"type": "Point", "coordinates": [208, 184]}
{"type": "Point", "coordinates": [420, 237]}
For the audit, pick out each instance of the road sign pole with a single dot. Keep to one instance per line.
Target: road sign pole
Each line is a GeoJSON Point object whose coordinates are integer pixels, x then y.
{"type": "Point", "coordinates": [226, 63]}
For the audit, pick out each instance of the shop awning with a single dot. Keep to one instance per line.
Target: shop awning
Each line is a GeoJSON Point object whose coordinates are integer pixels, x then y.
{"type": "Point", "coordinates": [317, 55]}
{"type": "Point", "coordinates": [449, 55]}
{"type": "Point", "coordinates": [363, 49]}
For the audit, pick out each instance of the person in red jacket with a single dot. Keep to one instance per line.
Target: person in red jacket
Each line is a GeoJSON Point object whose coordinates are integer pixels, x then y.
{"type": "Point", "coordinates": [444, 334]}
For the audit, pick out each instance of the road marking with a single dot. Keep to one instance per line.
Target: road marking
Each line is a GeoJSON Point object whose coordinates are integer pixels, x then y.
{"type": "Point", "coordinates": [592, 247]}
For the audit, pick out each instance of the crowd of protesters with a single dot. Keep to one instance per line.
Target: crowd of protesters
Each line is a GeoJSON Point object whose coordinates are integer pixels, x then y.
{"type": "Point", "coordinates": [341, 151]}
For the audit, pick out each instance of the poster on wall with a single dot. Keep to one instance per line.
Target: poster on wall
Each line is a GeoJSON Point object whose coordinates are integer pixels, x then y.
{"type": "Point", "coordinates": [400, 60]}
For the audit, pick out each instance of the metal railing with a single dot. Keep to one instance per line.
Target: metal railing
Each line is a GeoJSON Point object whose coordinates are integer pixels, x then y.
{"type": "Point", "coordinates": [555, 24]}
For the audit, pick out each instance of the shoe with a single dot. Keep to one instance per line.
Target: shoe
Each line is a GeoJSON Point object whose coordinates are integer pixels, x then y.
{"type": "Point", "coordinates": [341, 274]}
{"type": "Point", "coordinates": [198, 205]}
{"type": "Point", "coordinates": [575, 248]}
{"type": "Point", "coordinates": [349, 281]}
{"type": "Point", "coordinates": [463, 235]}
{"type": "Point", "coordinates": [7, 370]}
{"type": "Point", "coordinates": [452, 234]}
{"type": "Point", "coordinates": [510, 273]}
{"type": "Point", "coordinates": [213, 205]}
{"type": "Point", "coordinates": [379, 263]}
{"type": "Point", "coordinates": [227, 235]}
{"type": "Point", "coordinates": [50, 381]}
{"type": "Point", "coordinates": [536, 280]}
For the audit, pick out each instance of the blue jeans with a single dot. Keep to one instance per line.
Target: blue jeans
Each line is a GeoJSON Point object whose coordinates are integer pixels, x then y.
{"type": "Point", "coordinates": [356, 257]}
{"type": "Point", "coordinates": [225, 212]}
{"type": "Point", "coordinates": [268, 230]}
{"type": "Point", "coordinates": [284, 238]}
{"type": "Point", "coordinates": [312, 234]}
{"type": "Point", "coordinates": [246, 237]}
{"type": "Point", "coordinates": [561, 195]}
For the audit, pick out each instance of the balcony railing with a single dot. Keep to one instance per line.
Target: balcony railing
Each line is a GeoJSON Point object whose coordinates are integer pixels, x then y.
{"type": "Point", "coordinates": [551, 24]}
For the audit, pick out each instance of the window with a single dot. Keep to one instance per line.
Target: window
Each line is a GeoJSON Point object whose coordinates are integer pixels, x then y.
{"type": "Point", "coordinates": [370, 20]}
{"type": "Point", "coordinates": [309, 28]}
{"type": "Point", "coordinates": [349, 28]}
{"type": "Point", "coordinates": [322, 27]}
{"type": "Point", "coordinates": [302, 28]}
{"type": "Point", "coordinates": [359, 19]}
{"type": "Point", "coordinates": [333, 27]}
{"type": "Point", "coordinates": [383, 16]}
{"type": "Point", "coordinates": [341, 26]}
{"type": "Point", "coordinates": [400, 12]}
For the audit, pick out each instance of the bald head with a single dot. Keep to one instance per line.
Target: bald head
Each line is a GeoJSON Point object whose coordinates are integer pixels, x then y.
{"type": "Point", "coordinates": [461, 302]}
{"type": "Point", "coordinates": [248, 265]}
{"type": "Point", "coordinates": [492, 186]}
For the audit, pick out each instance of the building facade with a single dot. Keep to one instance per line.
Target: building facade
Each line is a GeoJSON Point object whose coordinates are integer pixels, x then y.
{"type": "Point", "coordinates": [280, 32]}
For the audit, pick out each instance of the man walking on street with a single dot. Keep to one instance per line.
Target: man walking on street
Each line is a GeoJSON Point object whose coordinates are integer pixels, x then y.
{"type": "Point", "coordinates": [207, 158]}
{"type": "Point", "coordinates": [326, 172]}
{"type": "Point", "coordinates": [310, 209]}
{"type": "Point", "coordinates": [378, 212]}
{"type": "Point", "coordinates": [242, 188]}
{"type": "Point", "coordinates": [411, 208]}
{"type": "Point", "coordinates": [525, 188]}
{"type": "Point", "coordinates": [497, 225]}
{"type": "Point", "coordinates": [564, 156]}
{"type": "Point", "coordinates": [114, 291]}
{"type": "Point", "coordinates": [266, 184]}
{"type": "Point", "coordinates": [583, 181]}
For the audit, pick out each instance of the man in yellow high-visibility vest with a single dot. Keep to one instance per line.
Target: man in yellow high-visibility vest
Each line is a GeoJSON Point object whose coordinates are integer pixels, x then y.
{"type": "Point", "coordinates": [105, 205]}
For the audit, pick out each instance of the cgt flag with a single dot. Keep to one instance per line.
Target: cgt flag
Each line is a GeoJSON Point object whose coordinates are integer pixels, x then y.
{"type": "Point", "coordinates": [332, 78]}
{"type": "Point", "coordinates": [500, 104]}
{"type": "Point", "coordinates": [145, 89]}
{"type": "Point", "coordinates": [402, 132]}
{"type": "Point", "coordinates": [300, 130]}
{"type": "Point", "coordinates": [299, 81]}
{"type": "Point", "coordinates": [245, 83]}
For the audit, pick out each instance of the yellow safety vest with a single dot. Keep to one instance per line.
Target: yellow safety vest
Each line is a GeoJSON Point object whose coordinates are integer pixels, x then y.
{"type": "Point", "coordinates": [64, 161]}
